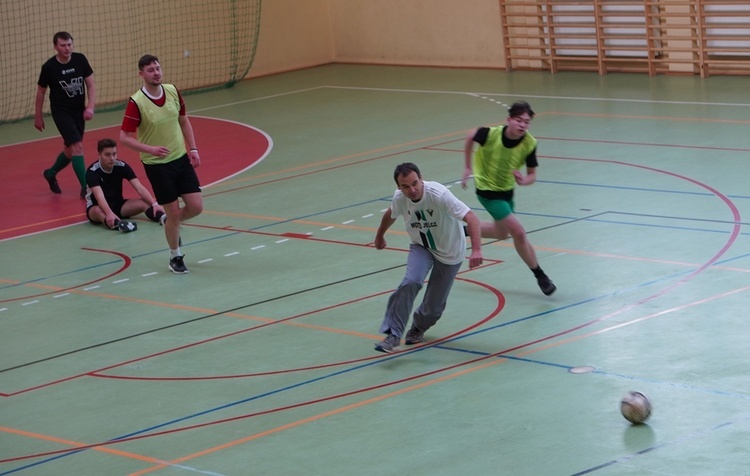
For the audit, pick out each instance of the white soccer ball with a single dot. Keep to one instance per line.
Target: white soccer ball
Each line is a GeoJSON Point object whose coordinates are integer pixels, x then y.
{"type": "Point", "coordinates": [635, 407]}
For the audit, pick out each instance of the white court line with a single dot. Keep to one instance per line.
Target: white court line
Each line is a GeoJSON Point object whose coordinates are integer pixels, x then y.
{"type": "Point", "coordinates": [3, 309]}
{"type": "Point", "coordinates": [30, 302]}
{"type": "Point", "coordinates": [347, 222]}
{"type": "Point", "coordinates": [368, 215]}
{"type": "Point", "coordinates": [60, 295]}
{"type": "Point", "coordinates": [205, 260]}
{"type": "Point", "coordinates": [282, 241]}
{"type": "Point", "coordinates": [232, 253]}
{"type": "Point", "coordinates": [326, 228]}
{"type": "Point", "coordinates": [149, 274]}
{"type": "Point", "coordinates": [236, 103]}
{"type": "Point", "coordinates": [565, 98]}
{"type": "Point", "coordinates": [257, 247]}
{"type": "Point", "coordinates": [90, 288]}
{"type": "Point", "coordinates": [121, 281]}
{"type": "Point", "coordinates": [419, 91]}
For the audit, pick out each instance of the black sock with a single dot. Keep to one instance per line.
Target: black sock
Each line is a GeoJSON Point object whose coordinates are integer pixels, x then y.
{"type": "Point", "coordinates": [538, 273]}
{"type": "Point", "coordinates": [150, 214]}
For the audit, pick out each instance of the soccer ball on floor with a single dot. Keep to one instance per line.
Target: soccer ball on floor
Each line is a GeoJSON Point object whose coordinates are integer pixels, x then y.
{"type": "Point", "coordinates": [635, 407]}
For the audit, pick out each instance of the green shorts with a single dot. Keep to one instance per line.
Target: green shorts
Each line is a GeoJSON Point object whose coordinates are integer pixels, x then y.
{"type": "Point", "coordinates": [498, 208]}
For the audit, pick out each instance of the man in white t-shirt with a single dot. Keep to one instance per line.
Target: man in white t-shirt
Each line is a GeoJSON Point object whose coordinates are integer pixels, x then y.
{"type": "Point", "coordinates": [434, 219]}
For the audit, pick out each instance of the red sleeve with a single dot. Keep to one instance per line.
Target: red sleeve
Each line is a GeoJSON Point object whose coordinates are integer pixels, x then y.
{"type": "Point", "coordinates": [182, 103]}
{"type": "Point", "coordinates": [132, 118]}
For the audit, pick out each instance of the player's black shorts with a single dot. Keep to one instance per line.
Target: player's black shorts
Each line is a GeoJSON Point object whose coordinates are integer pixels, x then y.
{"type": "Point", "coordinates": [114, 205]}
{"type": "Point", "coordinates": [70, 124]}
{"type": "Point", "coordinates": [173, 179]}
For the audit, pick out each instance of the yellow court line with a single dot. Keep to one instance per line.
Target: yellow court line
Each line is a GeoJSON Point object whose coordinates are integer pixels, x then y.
{"type": "Point", "coordinates": [39, 223]}
{"type": "Point", "coordinates": [103, 449]}
{"type": "Point", "coordinates": [499, 360]}
{"type": "Point", "coordinates": [211, 311]}
{"type": "Point", "coordinates": [316, 417]}
{"type": "Point", "coordinates": [162, 464]}
{"type": "Point", "coordinates": [496, 360]}
{"type": "Point", "coordinates": [504, 243]}
{"type": "Point", "coordinates": [342, 158]}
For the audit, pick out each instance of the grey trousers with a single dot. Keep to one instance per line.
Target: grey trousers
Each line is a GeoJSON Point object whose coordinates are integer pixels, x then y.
{"type": "Point", "coordinates": [401, 302]}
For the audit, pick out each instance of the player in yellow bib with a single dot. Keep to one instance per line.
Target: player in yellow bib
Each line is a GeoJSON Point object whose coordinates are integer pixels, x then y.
{"type": "Point", "coordinates": [496, 164]}
{"type": "Point", "coordinates": [157, 126]}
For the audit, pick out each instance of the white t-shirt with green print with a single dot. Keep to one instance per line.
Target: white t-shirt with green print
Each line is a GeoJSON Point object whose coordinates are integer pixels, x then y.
{"type": "Point", "coordinates": [435, 222]}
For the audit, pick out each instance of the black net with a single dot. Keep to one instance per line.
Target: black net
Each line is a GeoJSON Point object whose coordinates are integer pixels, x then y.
{"type": "Point", "coordinates": [201, 44]}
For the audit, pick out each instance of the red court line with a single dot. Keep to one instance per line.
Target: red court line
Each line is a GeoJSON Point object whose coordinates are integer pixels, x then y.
{"type": "Point", "coordinates": [97, 372]}
{"type": "Point", "coordinates": [62, 441]}
{"type": "Point", "coordinates": [732, 239]}
{"type": "Point", "coordinates": [227, 148]}
{"type": "Point", "coordinates": [702, 268]}
{"type": "Point", "coordinates": [496, 311]}
{"type": "Point", "coordinates": [334, 167]}
{"type": "Point", "coordinates": [346, 407]}
{"type": "Point", "coordinates": [600, 141]}
{"type": "Point", "coordinates": [715, 192]}
{"type": "Point", "coordinates": [646, 144]}
{"type": "Point", "coordinates": [499, 307]}
{"type": "Point", "coordinates": [127, 261]}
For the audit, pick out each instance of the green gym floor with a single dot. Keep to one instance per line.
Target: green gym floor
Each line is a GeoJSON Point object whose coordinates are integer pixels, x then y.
{"type": "Point", "coordinates": [261, 360]}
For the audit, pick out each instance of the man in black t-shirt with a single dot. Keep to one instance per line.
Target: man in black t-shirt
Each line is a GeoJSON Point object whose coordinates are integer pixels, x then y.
{"type": "Point", "coordinates": [70, 79]}
{"type": "Point", "coordinates": [105, 202]}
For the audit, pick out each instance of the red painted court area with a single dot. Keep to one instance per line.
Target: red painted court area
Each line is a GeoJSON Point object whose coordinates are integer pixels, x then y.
{"type": "Point", "coordinates": [226, 148]}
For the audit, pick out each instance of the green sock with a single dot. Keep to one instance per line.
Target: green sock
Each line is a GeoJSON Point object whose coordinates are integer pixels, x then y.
{"type": "Point", "coordinates": [61, 162]}
{"type": "Point", "coordinates": [80, 169]}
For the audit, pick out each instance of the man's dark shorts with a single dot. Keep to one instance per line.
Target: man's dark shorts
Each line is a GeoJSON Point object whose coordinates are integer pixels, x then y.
{"type": "Point", "coordinates": [173, 179]}
{"type": "Point", "coordinates": [70, 125]}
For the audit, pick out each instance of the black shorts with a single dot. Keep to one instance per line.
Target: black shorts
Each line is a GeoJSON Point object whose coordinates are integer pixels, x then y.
{"type": "Point", "coordinates": [114, 205]}
{"type": "Point", "coordinates": [70, 125]}
{"type": "Point", "coordinates": [173, 179]}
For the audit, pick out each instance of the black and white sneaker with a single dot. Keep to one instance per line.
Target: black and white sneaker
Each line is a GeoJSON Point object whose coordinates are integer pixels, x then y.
{"type": "Point", "coordinates": [389, 345]}
{"type": "Point", "coordinates": [126, 226]}
{"type": "Point", "coordinates": [177, 265]}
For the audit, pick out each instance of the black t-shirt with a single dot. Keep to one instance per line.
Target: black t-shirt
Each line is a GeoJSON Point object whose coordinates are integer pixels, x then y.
{"type": "Point", "coordinates": [66, 82]}
{"type": "Point", "coordinates": [111, 183]}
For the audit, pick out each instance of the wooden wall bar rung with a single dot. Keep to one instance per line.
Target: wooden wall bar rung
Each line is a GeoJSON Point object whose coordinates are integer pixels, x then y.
{"type": "Point", "coordinates": [655, 36]}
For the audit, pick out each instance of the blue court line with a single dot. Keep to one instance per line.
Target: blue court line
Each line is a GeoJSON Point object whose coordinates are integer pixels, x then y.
{"type": "Point", "coordinates": [388, 198]}
{"type": "Point", "coordinates": [638, 189]}
{"type": "Point", "coordinates": [387, 359]}
{"type": "Point", "coordinates": [604, 373]}
{"type": "Point", "coordinates": [688, 437]}
{"type": "Point", "coordinates": [319, 378]}
{"type": "Point", "coordinates": [205, 240]}
{"type": "Point", "coordinates": [575, 219]}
